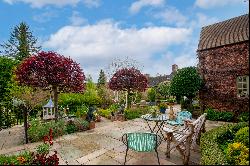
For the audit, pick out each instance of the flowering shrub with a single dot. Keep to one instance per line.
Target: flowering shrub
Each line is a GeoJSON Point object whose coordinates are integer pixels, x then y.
{"type": "Point", "coordinates": [237, 154]}
{"type": "Point", "coordinates": [37, 130]}
{"type": "Point", "coordinates": [242, 136]}
{"type": "Point", "coordinates": [133, 113]}
{"type": "Point", "coordinates": [41, 157]}
{"type": "Point", "coordinates": [71, 127]}
{"type": "Point", "coordinates": [24, 158]}
{"type": "Point", "coordinates": [214, 144]}
{"type": "Point", "coordinates": [105, 113]}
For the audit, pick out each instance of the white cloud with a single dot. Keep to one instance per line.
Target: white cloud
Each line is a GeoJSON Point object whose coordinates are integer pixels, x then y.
{"type": "Point", "coordinates": [94, 46]}
{"type": "Point", "coordinates": [44, 17]}
{"type": "Point", "coordinates": [58, 3]}
{"type": "Point", "coordinates": [171, 16]}
{"type": "Point", "coordinates": [202, 20]}
{"type": "Point", "coordinates": [76, 20]}
{"type": "Point", "coordinates": [206, 4]}
{"type": "Point", "coordinates": [186, 60]}
{"type": "Point", "coordinates": [138, 5]}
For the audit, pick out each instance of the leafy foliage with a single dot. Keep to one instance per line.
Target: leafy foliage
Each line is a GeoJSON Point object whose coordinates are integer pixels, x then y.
{"type": "Point", "coordinates": [128, 79]}
{"type": "Point", "coordinates": [133, 113]}
{"type": "Point", "coordinates": [71, 127]}
{"type": "Point", "coordinates": [21, 43]}
{"type": "Point", "coordinates": [163, 89]}
{"type": "Point", "coordinates": [37, 130]}
{"type": "Point", "coordinates": [24, 158]}
{"type": "Point", "coordinates": [221, 116]}
{"type": "Point", "coordinates": [242, 136]}
{"type": "Point", "coordinates": [105, 96]}
{"type": "Point", "coordinates": [6, 73]}
{"type": "Point", "coordinates": [81, 111]}
{"type": "Point", "coordinates": [243, 117]}
{"type": "Point", "coordinates": [186, 82]}
{"type": "Point", "coordinates": [151, 92]}
{"type": "Point", "coordinates": [102, 79]}
{"type": "Point", "coordinates": [43, 149]}
{"type": "Point", "coordinates": [237, 154]}
{"type": "Point", "coordinates": [51, 70]}
{"type": "Point", "coordinates": [214, 141]}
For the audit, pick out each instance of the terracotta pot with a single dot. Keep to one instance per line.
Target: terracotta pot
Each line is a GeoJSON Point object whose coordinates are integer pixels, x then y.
{"type": "Point", "coordinates": [91, 125]}
{"type": "Point", "coordinates": [120, 117]}
{"type": "Point", "coordinates": [98, 118]}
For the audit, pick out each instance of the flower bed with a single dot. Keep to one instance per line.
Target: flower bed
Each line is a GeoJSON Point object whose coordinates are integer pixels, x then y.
{"type": "Point", "coordinates": [222, 145]}
{"type": "Point", "coordinates": [40, 157]}
{"type": "Point", "coordinates": [37, 129]}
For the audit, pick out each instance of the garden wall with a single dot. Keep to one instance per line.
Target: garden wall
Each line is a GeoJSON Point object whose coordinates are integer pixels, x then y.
{"type": "Point", "coordinates": [219, 68]}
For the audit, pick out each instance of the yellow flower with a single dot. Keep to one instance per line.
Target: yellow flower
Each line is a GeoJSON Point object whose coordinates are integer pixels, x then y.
{"type": "Point", "coordinates": [21, 159]}
{"type": "Point", "coordinates": [236, 145]}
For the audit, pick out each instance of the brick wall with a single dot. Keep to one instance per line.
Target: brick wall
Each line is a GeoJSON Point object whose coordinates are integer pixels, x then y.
{"type": "Point", "coordinates": [219, 68]}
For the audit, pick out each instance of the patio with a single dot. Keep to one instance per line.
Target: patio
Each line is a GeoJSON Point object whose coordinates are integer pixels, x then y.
{"type": "Point", "coordinates": [103, 146]}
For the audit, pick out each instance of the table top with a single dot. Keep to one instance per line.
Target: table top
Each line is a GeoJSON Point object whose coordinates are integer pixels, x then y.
{"type": "Point", "coordinates": [161, 117]}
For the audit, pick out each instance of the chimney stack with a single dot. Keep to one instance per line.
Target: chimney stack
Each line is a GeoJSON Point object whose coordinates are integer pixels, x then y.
{"type": "Point", "coordinates": [174, 68]}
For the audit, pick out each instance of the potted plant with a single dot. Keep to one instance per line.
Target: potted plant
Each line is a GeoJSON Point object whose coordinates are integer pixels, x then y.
{"type": "Point", "coordinates": [162, 107]}
{"type": "Point", "coordinates": [171, 101]}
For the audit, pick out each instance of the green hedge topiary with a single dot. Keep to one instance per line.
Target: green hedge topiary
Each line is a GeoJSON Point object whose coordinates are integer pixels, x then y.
{"type": "Point", "coordinates": [220, 116]}
{"type": "Point", "coordinates": [211, 148]}
{"type": "Point", "coordinates": [133, 113]}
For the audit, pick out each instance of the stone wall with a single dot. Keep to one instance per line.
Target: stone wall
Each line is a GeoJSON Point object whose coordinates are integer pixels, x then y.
{"type": "Point", "coordinates": [219, 68]}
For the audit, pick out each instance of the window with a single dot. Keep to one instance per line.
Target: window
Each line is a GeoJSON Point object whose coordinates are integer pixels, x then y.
{"type": "Point", "coordinates": [242, 86]}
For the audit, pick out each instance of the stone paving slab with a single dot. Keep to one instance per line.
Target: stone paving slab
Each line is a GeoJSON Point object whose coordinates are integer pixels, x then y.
{"type": "Point", "coordinates": [103, 160]}
{"type": "Point", "coordinates": [91, 156]}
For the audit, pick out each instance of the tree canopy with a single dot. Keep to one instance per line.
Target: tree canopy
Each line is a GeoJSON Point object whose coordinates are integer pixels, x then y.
{"type": "Point", "coordinates": [6, 77]}
{"type": "Point", "coordinates": [128, 79]}
{"type": "Point", "coordinates": [186, 82]}
{"type": "Point", "coordinates": [21, 44]}
{"type": "Point", "coordinates": [163, 89]}
{"type": "Point", "coordinates": [50, 70]}
{"type": "Point", "coordinates": [102, 79]}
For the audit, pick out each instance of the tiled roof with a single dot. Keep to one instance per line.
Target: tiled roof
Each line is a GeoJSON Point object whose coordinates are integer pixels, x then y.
{"type": "Point", "coordinates": [154, 81]}
{"type": "Point", "coordinates": [226, 32]}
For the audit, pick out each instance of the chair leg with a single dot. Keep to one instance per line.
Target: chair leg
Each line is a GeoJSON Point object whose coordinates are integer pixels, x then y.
{"type": "Point", "coordinates": [157, 157]}
{"type": "Point", "coordinates": [187, 151]}
{"type": "Point", "coordinates": [126, 156]}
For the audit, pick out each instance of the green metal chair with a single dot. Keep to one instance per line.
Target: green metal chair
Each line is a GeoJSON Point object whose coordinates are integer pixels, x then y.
{"type": "Point", "coordinates": [141, 142]}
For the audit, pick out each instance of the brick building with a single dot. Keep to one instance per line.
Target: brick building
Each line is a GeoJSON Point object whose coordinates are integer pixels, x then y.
{"type": "Point", "coordinates": [154, 81]}
{"type": "Point", "coordinates": [223, 53]}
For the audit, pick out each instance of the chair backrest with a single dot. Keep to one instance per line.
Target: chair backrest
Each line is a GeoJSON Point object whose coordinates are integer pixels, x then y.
{"type": "Point", "coordinates": [182, 116]}
{"type": "Point", "coordinates": [197, 126]}
{"type": "Point", "coordinates": [142, 142]}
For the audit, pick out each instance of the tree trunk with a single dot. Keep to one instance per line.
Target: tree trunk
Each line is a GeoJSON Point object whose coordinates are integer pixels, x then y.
{"type": "Point", "coordinates": [25, 115]}
{"type": "Point", "coordinates": [128, 100]}
{"type": "Point", "coordinates": [55, 91]}
{"type": "Point", "coordinates": [190, 100]}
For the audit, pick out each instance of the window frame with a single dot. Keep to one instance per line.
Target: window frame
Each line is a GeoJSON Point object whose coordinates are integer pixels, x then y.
{"type": "Point", "coordinates": [240, 82]}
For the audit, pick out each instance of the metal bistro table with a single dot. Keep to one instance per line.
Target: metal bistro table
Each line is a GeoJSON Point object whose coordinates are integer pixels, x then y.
{"type": "Point", "coordinates": [159, 121]}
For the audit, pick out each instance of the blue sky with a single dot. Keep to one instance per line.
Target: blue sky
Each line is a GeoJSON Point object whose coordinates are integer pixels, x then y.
{"type": "Point", "coordinates": [155, 33]}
